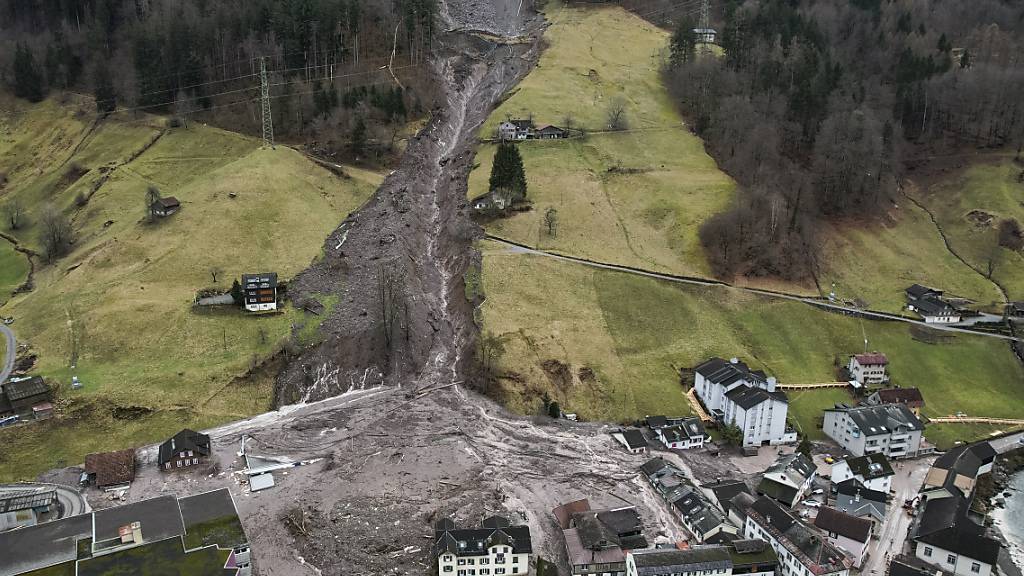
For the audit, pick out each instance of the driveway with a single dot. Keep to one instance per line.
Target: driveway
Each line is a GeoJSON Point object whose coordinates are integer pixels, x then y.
{"type": "Point", "coordinates": [10, 351]}
{"type": "Point", "coordinates": [892, 535]}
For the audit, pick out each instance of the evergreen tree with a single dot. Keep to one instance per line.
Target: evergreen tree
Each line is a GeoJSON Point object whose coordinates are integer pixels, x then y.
{"type": "Point", "coordinates": [359, 137]}
{"type": "Point", "coordinates": [28, 82]}
{"type": "Point", "coordinates": [507, 171]}
{"type": "Point", "coordinates": [684, 43]}
{"type": "Point", "coordinates": [805, 446]}
{"type": "Point", "coordinates": [103, 90]}
{"type": "Point", "coordinates": [554, 410]}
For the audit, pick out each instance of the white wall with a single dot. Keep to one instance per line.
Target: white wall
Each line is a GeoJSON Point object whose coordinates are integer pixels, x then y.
{"type": "Point", "coordinates": [449, 564]}
{"type": "Point", "coordinates": [856, 550]}
{"type": "Point", "coordinates": [961, 565]}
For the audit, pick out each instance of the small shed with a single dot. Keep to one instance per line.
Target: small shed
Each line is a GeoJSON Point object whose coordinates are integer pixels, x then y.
{"type": "Point", "coordinates": [164, 207]}
{"type": "Point", "coordinates": [23, 394]}
{"type": "Point", "coordinates": [550, 132]}
{"type": "Point", "coordinates": [706, 35]}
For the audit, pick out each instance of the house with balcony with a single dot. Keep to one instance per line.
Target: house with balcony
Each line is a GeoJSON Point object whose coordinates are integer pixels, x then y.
{"type": "Point", "coordinates": [868, 369]}
{"type": "Point", "coordinates": [872, 470]}
{"type": "Point", "coordinates": [800, 549]}
{"type": "Point", "coordinates": [889, 429]}
{"type": "Point", "coordinates": [496, 548]}
{"type": "Point", "coordinates": [685, 434]}
{"type": "Point", "coordinates": [597, 541]}
{"type": "Point", "coordinates": [735, 395]}
{"type": "Point", "coordinates": [259, 291]}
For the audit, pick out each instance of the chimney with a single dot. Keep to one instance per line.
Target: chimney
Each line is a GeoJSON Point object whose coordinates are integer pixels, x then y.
{"type": "Point", "coordinates": [771, 384]}
{"type": "Point", "coordinates": [137, 532]}
{"type": "Point", "coordinates": [734, 360]}
{"type": "Point", "coordinates": [856, 496]}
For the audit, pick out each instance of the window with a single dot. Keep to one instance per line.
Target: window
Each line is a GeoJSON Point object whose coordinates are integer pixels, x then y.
{"type": "Point", "coordinates": [462, 561]}
{"type": "Point", "coordinates": [950, 559]}
{"type": "Point", "coordinates": [928, 551]}
{"type": "Point", "coordinates": [975, 567]}
{"type": "Point", "coordinates": [447, 569]}
{"type": "Point", "coordinates": [447, 558]}
{"type": "Point", "coordinates": [179, 464]}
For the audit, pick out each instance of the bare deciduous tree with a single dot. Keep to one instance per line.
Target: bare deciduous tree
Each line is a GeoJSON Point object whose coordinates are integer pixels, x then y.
{"type": "Point", "coordinates": [551, 221]}
{"type": "Point", "coordinates": [55, 232]}
{"type": "Point", "coordinates": [491, 348]}
{"type": "Point", "coordinates": [214, 272]}
{"type": "Point", "coordinates": [14, 214]}
{"type": "Point", "coordinates": [617, 114]}
{"type": "Point", "coordinates": [391, 288]}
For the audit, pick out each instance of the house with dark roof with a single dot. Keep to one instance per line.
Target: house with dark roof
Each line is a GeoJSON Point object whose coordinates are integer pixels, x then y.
{"type": "Point", "coordinates": [686, 500]}
{"type": "Point", "coordinates": [930, 305]}
{"type": "Point", "coordinates": [868, 369]}
{"type": "Point", "coordinates": [917, 292]}
{"type": "Point", "coordinates": [497, 547]}
{"type": "Point", "coordinates": [111, 470]}
{"type": "Point", "coordinates": [516, 129]}
{"type": "Point", "coordinates": [199, 535]}
{"type": "Point", "coordinates": [185, 449]}
{"type": "Point", "coordinates": [686, 433]}
{"type": "Point", "coordinates": [713, 559]}
{"type": "Point", "coordinates": [871, 470]}
{"type": "Point", "coordinates": [632, 438]}
{"type": "Point", "coordinates": [550, 132]}
{"type": "Point", "coordinates": [945, 536]}
{"type": "Point", "coordinates": [259, 291]}
{"type": "Point", "coordinates": [596, 541]}
{"type": "Point", "coordinates": [910, 397]}
{"type": "Point", "coordinates": [1015, 310]}
{"type": "Point", "coordinates": [846, 532]}
{"type": "Point", "coordinates": [788, 478]}
{"type": "Point", "coordinates": [725, 490]}
{"type": "Point", "coordinates": [26, 507]}
{"type": "Point", "coordinates": [18, 396]}
{"type": "Point", "coordinates": [956, 472]}
{"type": "Point", "coordinates": [735, 395]}
{"type": "Point", "coordinates": [889, 429]}
{"type": "Point", "coordinates": [165, 207]}
{"type": "Point", "coordinates": [801, 550]}
{"type": "Point", "coordinates": [858, 500]}
{"type": "Point", "coordinates": [910, 566]}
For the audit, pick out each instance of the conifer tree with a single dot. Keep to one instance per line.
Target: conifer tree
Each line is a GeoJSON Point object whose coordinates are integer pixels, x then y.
{"type": "Point", "coordinates": [507, 172]}
{"type": "Point", "coordinates": [28, 81]}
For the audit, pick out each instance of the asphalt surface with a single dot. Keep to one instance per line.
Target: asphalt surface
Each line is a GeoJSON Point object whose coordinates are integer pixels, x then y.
{"type": "Point", "coordinates": [892, 535]}
{"type": "Point", "coordinates": [771, 294]}
{"type": "Point", "coordinates": [11, 350]}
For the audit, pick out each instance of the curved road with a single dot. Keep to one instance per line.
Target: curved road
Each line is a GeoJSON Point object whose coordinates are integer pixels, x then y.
{"type": "Point", "coordinates": [771, 294]}
{"type": "Point", "coordinates": [11, 349]}
{"type": "Point", "coordinates": [72, 502]}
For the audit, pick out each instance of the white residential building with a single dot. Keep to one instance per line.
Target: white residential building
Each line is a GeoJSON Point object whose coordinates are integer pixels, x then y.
{"type": "Point", "coordinates": [748, 399]}
{"type": "Point", "coordinates": [800, 550]}
{"type": "Point", "coordinates": [867, 369]}
{"type": "Point", "coordinates": [496, 549]}
{"type": "Point", "coordinates": [889, 429]}
{"type": "Point", "coordinates": [846, 532]}
{"type": "Point", "coordinates": [873, 471]}
{"type": "Point", "coordinates": [788, 479]}
{"type": "Point", "coordinates": [687, 433]}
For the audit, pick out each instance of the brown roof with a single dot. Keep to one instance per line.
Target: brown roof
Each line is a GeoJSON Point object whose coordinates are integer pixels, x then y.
{"type": "Point", "coordinates": [565, 512]}
{"type": "Point", "coordinates": [841, 523]}
{"type": "Point", "coordinates": [111, 468]}
{"type": "Point", "coordinates": [900, 395]}
{"type": "Point", "coordinates": [168, 202]}
{"type": "Point", "coordinates": [872, 358]}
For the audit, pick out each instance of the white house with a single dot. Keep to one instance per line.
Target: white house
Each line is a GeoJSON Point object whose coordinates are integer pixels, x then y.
{"type": "Point", "coordinates": [687, 502]}
{"type": "Point", "coordinates": [946, 537]}
{"type": "Point", "coordinates": [928, 303]}
{"type": "Point", "coordinates": [788, 479]}
{"type": "Point", "coordinates": [706, 35]}
{"type": "Point", "coordinates": [515, 129]}
{"type": "Point", "coordinates": [632, 439]}
{"type": "Point", "coordinates": [799, 549]}
{"type": "Point", "coordinates": [846, 532]}
{"type": "Point", "coordinates": [868, 369]}
{"type": "Point", "coordinates": [688, 433]}
{"type": "Point", "coordinates": [873, 471]}
{"type": "Point", "coordinates": [497, 548]}
{"type": "Point", "coordinates": [889, 429]}
{"type": "Point", "coordinates": [737, 396]}
{"type": "Point", "coordinates": [260, 291]}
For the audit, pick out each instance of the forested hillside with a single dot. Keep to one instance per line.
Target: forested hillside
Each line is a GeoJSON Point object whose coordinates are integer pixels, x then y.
{"type": "Point", "coordinates": [198, 59]}
{"type": "Point", "coordinates": [816, 106]}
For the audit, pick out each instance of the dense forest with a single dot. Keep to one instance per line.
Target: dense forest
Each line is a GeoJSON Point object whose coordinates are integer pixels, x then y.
{"type": "Point", "coordinates": [326, 59]}
{"type": "Point", "coordinates": [815, 106]}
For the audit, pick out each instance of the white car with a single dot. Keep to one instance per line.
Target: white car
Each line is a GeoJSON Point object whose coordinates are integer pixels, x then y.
{"type": "Point", "coordinates": [818, 491]}
{"type": "Point", "coordinates": [812, 503]}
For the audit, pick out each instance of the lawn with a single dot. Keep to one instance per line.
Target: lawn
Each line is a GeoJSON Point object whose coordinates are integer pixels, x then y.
{"type": "Point", "coordinates": [963, 204]}
{"type": "Point", "coordinates": [119, 306]}
{"type": "Point", "coordinates": [634, 334]}
{"type": "Point", "coordinates": [163, 558]}
{"type": "Point", "coordinates": [13, 269]}
{"type": "Point", "coordinates": [945, 436]}
{"type": "Point", "coordinates": [635, 197]}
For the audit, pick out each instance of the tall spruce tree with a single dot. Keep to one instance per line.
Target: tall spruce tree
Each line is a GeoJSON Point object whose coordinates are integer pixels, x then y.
{"type": "Point", "coordinates": [684, 43]}
{"type": "Point", "coordinates": [103, 90]}
{"type": "Point", "coordinates": [28, 81]}
{"type": "Point", "coordinates": [507, 172]}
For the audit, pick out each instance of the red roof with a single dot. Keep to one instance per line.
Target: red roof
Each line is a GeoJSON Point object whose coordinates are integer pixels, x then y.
{"type": "Point", "coordinates": [111, 468]}
{"type": "Point", "coordinates": [901, 395]}
{"type": "Point", "coordinates": [873, 358]}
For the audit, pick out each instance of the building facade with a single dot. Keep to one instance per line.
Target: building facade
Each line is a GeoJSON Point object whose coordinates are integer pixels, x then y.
{"type": "Point", "coordinates": [800, 550]}
{"type": "Point", "coordinates": [495, 549]}
{"type": "Point", "coordinates": [748, 399]}
{"type": "Point", "coordinates": [868, 369]}
{"type": "Point", "coordinates": [788, 479]}
{"type": "Point", "coordinates": [186, 449]}
{"type": "Point", "coordinates": [889, 429]}
{"type": "Point", "coordinates": [846, 532]}
{"type": "Point", "coordinates": [873, 471]}
{"type": "Point", "coordinates": [260, 291]}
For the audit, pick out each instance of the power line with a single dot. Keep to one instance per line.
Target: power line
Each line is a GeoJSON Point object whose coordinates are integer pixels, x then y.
{"type": "Point", "coordinates": [268, 124]}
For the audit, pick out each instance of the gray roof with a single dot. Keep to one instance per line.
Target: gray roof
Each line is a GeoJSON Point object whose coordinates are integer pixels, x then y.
{"type": "Point", "coordinates": [930, 306]}
{"type": "Point", "coordinates": [967, 460]}
{"type": "Point", "coordinates": [882, 419]}
{"type": "Point", "coordinates": [725, 372]}
{"type": "Point", "coordinates": [796, 467]}
{"type": "Point", "coordinates": [725, 490]}
{"type": "Point", "coordinates": [689, 429]}
{"type": "Point", "coordinates": [21, 389]}
{"type": "Point", "coordinates": [268, 278]}
{"type": "Point", "coordinates": [634, 438]}
{"type": "Point", "coordinates": [695, 559]}
{"type": "Point", "coordinates": [747, 397]}
{"type": "Point", "coordinates": [848, 525]}
{"type": "Point", "coordinates": [26, 499]}
{"type": "Point", "coordinates": [160, 518]}
{"type": "Point", "coordinates": [216, 505]}
{"type": "Point", "coordinates": [653, 466]}
{"type": "Point", "coordinates": [870, 466]}
{"type": "Point", "coordinates": [917, 291]}
{"type": "Point", "coordinates": [810, 548]}
{"type": "Point", "coordinates": [476, 541]}
{"type": "Point", "coordinates": [43, 545]}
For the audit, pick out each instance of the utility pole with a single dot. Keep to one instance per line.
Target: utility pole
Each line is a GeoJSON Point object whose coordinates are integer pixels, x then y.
{"type": "Point", "coordinates": [705, 24]}
{"type": "Point", "coordinates": [268, 123]}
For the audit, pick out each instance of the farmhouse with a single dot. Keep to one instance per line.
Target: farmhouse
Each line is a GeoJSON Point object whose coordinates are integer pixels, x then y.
{"type": "Point", "coordinates": [868, 369]}
{"type": "Point", "coordinates": [910, 397]}
{"type": "Point", "coordinates": [737, 396]}
{"type": "Point", "coordinates": [260, 291]}
{"type": "Point", "coordinates": [871, 470]}
{"type": "Point", "coordinates": [848, 533]}
{"type": "Point", "coordinates": [788, 479]}
{"type": "Point", "coordinates": [516, 129]}
{"type": "Point", "coordinates": [26, 508]}
{"type": "Point", "coordinates": [596, 541]}
{"type": "Point", "coordinates": [186, 449]}
{"type": "Point", "coordinates": [687, 502]}
{"type": "Point", "coordinates": [550, 132]}
{"type": "Point", "coordinates": [496, 547]}
{"type": "Point", "coordinates": [944, 536]}
{"type": "Point", "coordinates": [800, 550]}
{"type": "Point", "coordinates": [110, 469]}
{"type": "Point", "coordinates": [632, 439]}
{"type": "Point", "coordinates": [687, 433]}
{"type": "Point", "coordinates": [164, 207]}
{"type": "Point", "coordinates": [19, 396]}
{"type": "Point", "coordinates": [928, 303]}
{"type": "Point", "coordinates": [891, 429]}
{"type": "Point", "coordinates": [491, 201]}
{"type": "Point", "coordinates": [196, 536]}
{"type": "Point", "coordinates": [857, 500]}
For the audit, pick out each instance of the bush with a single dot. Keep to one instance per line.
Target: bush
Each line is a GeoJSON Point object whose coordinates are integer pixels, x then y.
{"type": "Point", "coordinates": [1010, 234]}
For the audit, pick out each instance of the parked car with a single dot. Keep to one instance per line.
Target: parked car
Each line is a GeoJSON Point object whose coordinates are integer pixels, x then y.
{"type": "Point", "coordinates": [829, 459]}
{"type": "Point", "coordinates": [812, 503]}
{"type": "Point", "coordinates": [817, 491]}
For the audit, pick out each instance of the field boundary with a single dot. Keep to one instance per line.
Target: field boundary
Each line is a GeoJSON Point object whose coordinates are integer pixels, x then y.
{"type": "Point", "coordinates": [699, 281]}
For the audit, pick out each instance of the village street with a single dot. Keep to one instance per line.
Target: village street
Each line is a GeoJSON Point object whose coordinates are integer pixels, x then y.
{"type": "Point", "coordinates": [891, 536]}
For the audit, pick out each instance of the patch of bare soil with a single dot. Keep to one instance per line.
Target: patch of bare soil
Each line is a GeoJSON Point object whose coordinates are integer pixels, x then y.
{"type": "Point", "coordinates": [558, 372]}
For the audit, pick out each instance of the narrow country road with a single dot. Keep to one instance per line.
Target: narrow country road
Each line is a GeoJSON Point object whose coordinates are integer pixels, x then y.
{"type": "Point", "coordinates": [9, 352]}
{"type": "Point", "coordinates": [718, 283]}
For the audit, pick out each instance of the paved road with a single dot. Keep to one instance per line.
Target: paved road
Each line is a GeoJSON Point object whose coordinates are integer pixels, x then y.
{"type": "Point", "coordinates": [72, 502]}
{"type": "Point", "coordinates": [11, 349]}
{"type": "Point", "coordinates": [520, 249]}
{"type": "Point", "coordinates": [892, 534]}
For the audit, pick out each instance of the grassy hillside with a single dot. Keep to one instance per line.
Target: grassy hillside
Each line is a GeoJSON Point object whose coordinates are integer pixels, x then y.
{"type": "Point", "coordinates": [634, 333]}
{"type": "Point", "coordinates": [969, 204]}
{"type": "Point", "coordinates": [635, 197]}
{"type": "Point", "coordinates": [13, 269]}
{"type": "Point", "coordinates": [120, 304]}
